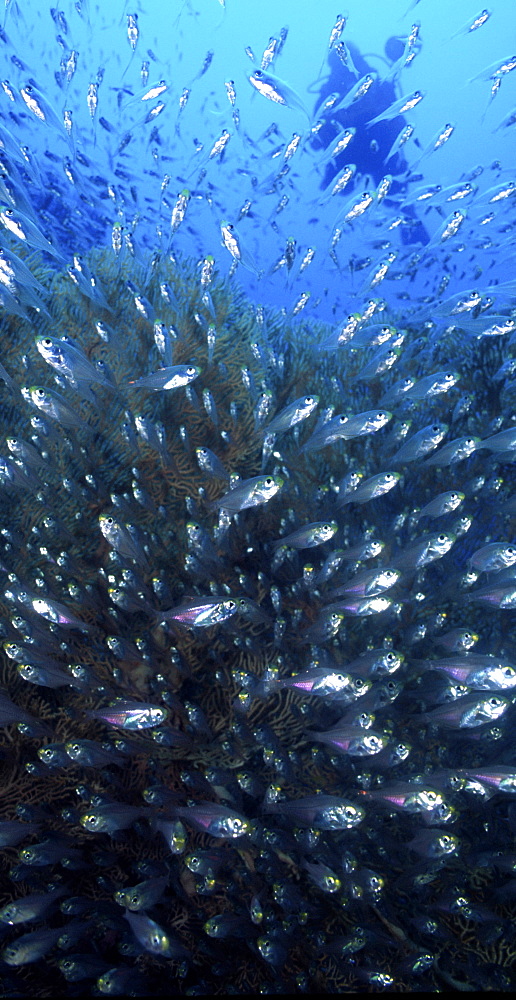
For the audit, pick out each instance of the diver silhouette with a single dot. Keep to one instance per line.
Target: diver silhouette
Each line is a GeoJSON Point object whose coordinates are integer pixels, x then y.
{"type": "Point", "coordinates": [371, 144]}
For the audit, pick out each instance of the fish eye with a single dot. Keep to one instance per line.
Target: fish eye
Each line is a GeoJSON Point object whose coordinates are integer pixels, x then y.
{"type": "Point", "coordinates": [308, 400]}
{"type": "Point", "coordinates": [231, 605]}
{"type": "Point", "coordinates": [442, 538]}
{"type": "Point", "coordinates": [191, 370]}
{"type": "Point", "coordinates": [258, 74]}
{"type": "Point", "coordinates": [435, 429]}
{"type": "Point", "coordinates": [269, 481]}
{"type": "Point", "coordinates": [40, 393]}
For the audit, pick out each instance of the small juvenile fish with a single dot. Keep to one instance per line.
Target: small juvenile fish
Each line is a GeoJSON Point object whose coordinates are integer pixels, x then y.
{"type": "Point", "coordinates": [502, 596]}
{"type": "Point", "coordinates": [121, 539]}
{"type": "Point", "coordinates": [457, 640]}
{"type": "Point", "coordinates": [344, 427]}
{"type": "Point", "coordinates": [210, 464]}
{"type": "Point", "coordinates": [434, 843]}
{"type": "Point", "coordinates": [309, 536]}
{"type": "Point", "coordinates": [232, 242]}
{"type": "Point", "coordinates": [215, 820]}
{"type": "Point", "coordinates": [479, 672]}
{"type": "Point", "coordinates": [145, 894]}
{"type": "Point", "coordinates": [53, 405]}
{"type": "Point", "coordinates": [424, 551]}
{"type": "Point", "coordinates": [322, 812]}
{"type": "Point", "coordinates": [493, 557]}
{"type": "Point", "coordinates": [276, 90]}
{"type": "Point", "coordinates": [368, 583]}
{"type": "Point", "coordinates": [500, 778]}
{"type": "Point", "coordinates": [110, 817]}
{"type": "Point", "coordinates": [250, 493]}
{"type": "Point", "coordinates": [413, 798]}
{"type": "Point", "coordinates": [22, 227]}
{"type": "Point", "coordinates": [292, 414]}
{"type": "Point", "coordinates": [321, 682]}
{"type": "Point", "coordinates": [469, 712]}
{"type": "Point", "coordinates": [31, 907]}
{"type": "Point", "coordinates": [421, 443]}
{"type": "Point", "coordinates": [58, 613]}
{"type": "Point", "coordinates": [503, 441]}
{"type": "Point", "coordinates": [367, 490]}
{"type": "Point", "coordinates": [399, 107]}
{"type": "Point", "coordinates": [131, 715]}
{"type": "Point", "coordinates": [153, 938]}
{"type": "Point", "coordinates": [167, 378]}
{"type": "Point", "coordinates": [68, 359]}
{"type": "Point", "coordinates": [353, 740]}
{"type": "Point", "coordinates": [442, 504]}
{"type": "Point", "coordinates": [201, 612]}
{"type": "Point", "coordinates": [433, 385]}
{"type": "Point", "coordinates": [29, 947]}
{"type": "Point", "coordinates": [455, 451]}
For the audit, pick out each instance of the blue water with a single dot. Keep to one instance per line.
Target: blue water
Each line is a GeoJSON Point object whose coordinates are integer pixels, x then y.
{"type": "Point", "coordinates": [179, 41]}
{"type": "Point", "coordinates": [237, 734]}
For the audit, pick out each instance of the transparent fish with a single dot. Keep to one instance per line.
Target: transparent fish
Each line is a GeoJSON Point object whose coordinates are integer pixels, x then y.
{"type": "Point", "coordinates": [310, 535]}
{"type": "Point", "coordinates": [352, 740]}
{"type": "Point", "coordinates": [201, 612]}
{"type": "Point", "coordinates": [167, 378]}
{"type": "Point", "coordinates": [421, 443]}
{"type": "Point", "coordinates": [276, 90]}
{"type": "Point", "coordinates": [322, 812]}
{"type": "Point", "coordinates": [292, 414]}
{"type": "Point", "coordinates": [481, 672]}
{"type": "Point", "coordinates": [53, 405]}
{"type": "Point", "coordinates": [493, 557]}
{"type": "Point", "coordinates": [131, 715]}
{"type": "Point", "coordinates": [215, 820]}
{"type": "Point", "coordinates": [250, 493]}
{"type": "Point", "coordinates": [371, 488]}
{"type": "Point", "coordinates": [30, 947]}
{"type": "Point", "coordinates": [442, 504]}
{"type": "Point", "coordinates": [469, 712]}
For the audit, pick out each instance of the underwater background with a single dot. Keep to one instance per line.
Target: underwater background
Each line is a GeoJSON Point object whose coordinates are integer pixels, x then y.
{"type": "Point", "coordinates": [257, 501]}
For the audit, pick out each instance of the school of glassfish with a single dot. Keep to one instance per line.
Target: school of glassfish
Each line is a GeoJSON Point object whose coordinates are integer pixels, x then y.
{"type": "Point", "coordinates": [258, 567]}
